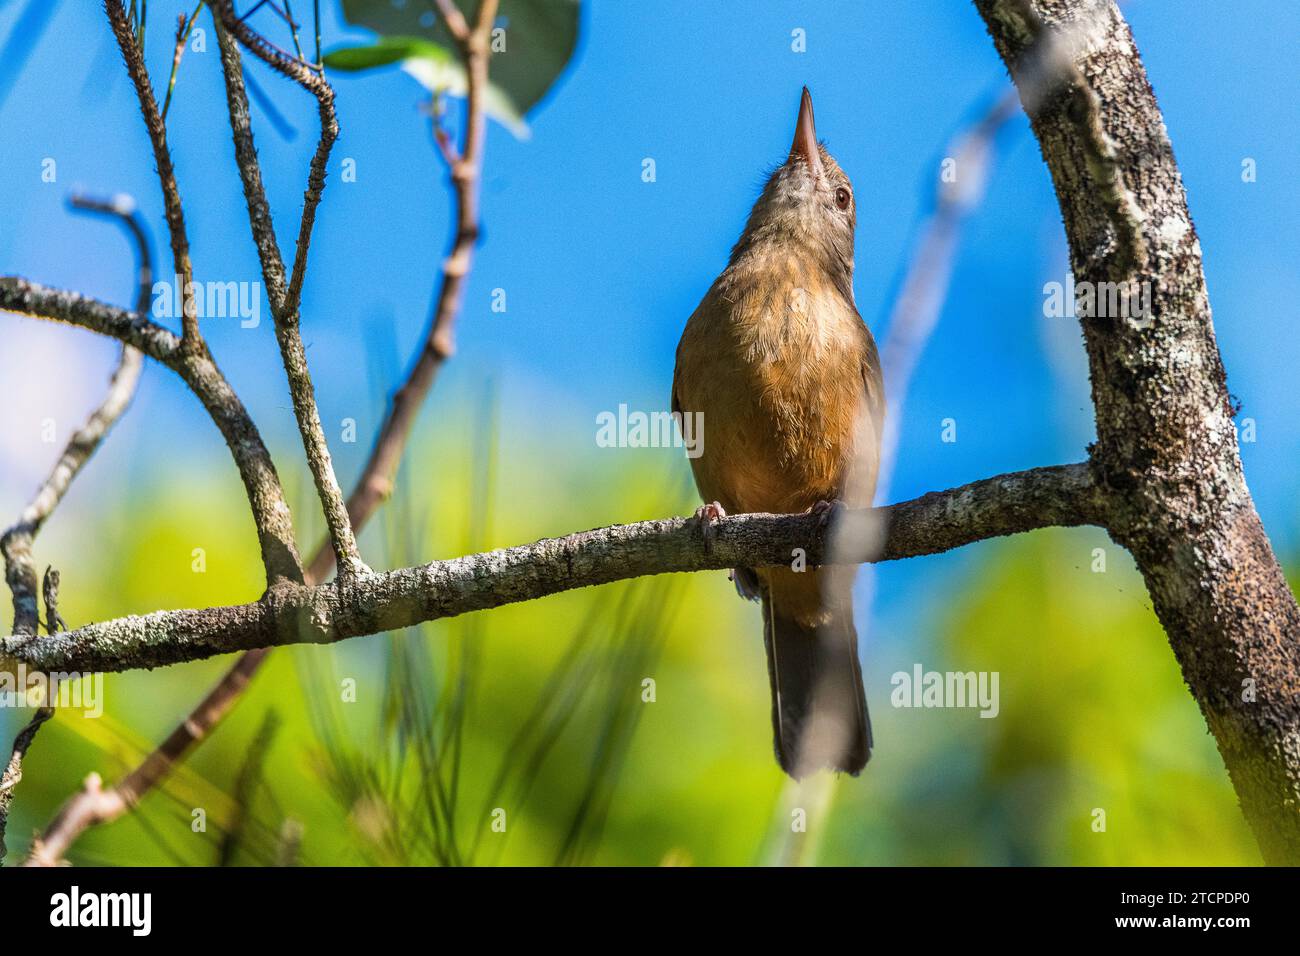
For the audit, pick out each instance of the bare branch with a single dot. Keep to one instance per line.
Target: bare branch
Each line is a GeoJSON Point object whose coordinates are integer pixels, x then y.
{"type": "Point", "coordinates": [377, 477]}
{"type": "Point", "coordinates": [93, 804]}
{"type": "Point", "coordinates": [184, 26]}
{"type": "Point", "coordinates": [16, 543]}
{"type": "Point", "coordinates": [17, 540]}
{"type": "Point", "coordinates": [285, 301]}
{"type": "Point", "coordinates": [131, 328]}
{"type": "Point", "coordinates": [194, 363]}
{"type": "Point", "coordinates": [315, 84]}
{"type": "Point", "coordinates": [50, 591]}
{"type": "Point", "coordinates": [454, 19]}
{"type": "Point", "coordinates": [465, 175]}
{"type": "Point", "coordinates": [940, 521]}
{"type": "Point", "coordinates": [201, 374]}
{"type": "Point", "coordinates": [13, 772]}
{"type": "Point", "coordinates": [132, 54]}
{"type": "Point", "coordinates": [487, 13]}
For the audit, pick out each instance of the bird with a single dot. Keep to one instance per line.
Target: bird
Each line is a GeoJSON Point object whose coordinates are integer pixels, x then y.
{"type": "Point", "coordinates": [785, 377]}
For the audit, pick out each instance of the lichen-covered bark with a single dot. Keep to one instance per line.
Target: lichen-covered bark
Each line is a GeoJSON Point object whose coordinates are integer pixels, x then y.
{"type": "Point", "coordinates": [200, 372]}
{"type": "Point", "coordinates": [374, 603]}
{"type": "Point", "coordinates": [16, 543]}
{"type": "Point", "coordinates": [286, 301]}
{"type": "Point", "coordinates": [1166, 452]}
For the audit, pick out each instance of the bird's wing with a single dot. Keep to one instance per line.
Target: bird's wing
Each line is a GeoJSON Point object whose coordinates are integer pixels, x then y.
{"type": "Point", "coordinates": [873, 380]}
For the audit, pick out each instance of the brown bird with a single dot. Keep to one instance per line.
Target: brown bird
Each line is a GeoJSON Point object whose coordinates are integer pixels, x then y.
{"type": "Point", "coordinates": [787, 378]}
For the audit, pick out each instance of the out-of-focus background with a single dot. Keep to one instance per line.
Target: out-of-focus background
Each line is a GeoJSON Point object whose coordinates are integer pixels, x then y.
{"type": "Point", "coordinates": [401, 748]}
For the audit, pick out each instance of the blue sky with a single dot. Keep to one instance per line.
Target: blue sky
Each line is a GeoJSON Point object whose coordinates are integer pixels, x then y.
{"type": "Point", "coordinates": [602, 269]}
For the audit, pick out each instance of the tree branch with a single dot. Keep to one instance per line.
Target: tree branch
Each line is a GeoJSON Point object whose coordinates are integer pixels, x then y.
{"type": "Point", "coordinates": [200, 372]}
{"type": "Point", "coordinates": [190, 356]}
{"type": "Point", "coordinates": [93, 804]}
{"type": "Point", "coordinates": [13, 772]}
{"type": "Point", "coordinates": [133, 55]}
{"type": "Point", "coordinates": [16, 543]}
{"type": "Point", "coordinates": [439, 343]}
{"type": "Point", "coordinates": [454, 19]}
{"type": "Point", "coordinates": [286, 302]}
{"type": "Point", "coordinates": [1166, 446]}
{"type": "Point", "coordinates": [940, 521]}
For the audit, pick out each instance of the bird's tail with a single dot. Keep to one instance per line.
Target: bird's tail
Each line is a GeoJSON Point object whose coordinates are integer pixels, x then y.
{"type": "Point", "coordinates": [819, 707]}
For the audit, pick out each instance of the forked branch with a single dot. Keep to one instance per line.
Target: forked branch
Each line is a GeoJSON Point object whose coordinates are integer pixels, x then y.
{"type": "Point", "coordinates": [95, 804]}
{"type": "Point", "coordinates": [286, 300]}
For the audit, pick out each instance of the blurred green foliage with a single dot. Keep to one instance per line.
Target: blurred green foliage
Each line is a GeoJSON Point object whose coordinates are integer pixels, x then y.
{"type": "Point", "coordinates": [539, 710]}
{"type": "Point", "coordinates": [532, 43]}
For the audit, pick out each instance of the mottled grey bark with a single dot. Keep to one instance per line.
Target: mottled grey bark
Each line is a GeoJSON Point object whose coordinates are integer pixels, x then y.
{"type": "Point", "coordinates": [16, 543]}
{"type": "Point", "coordinates": [1166, 452]}
{"type": "Point", "coordinates": [200, 372]}
{"type": "Point", "coordinates": [286, 300]}
{"type": "Point", "coordinates": [94, 804]}
{"type": "Point", "coordinates": [940, 521]}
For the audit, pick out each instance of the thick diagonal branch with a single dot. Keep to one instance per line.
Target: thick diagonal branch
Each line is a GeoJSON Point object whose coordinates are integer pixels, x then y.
{"type": "Point", "coordinates": [1166, 442]}
{"type": "Point", "coordinates": [940, 521]}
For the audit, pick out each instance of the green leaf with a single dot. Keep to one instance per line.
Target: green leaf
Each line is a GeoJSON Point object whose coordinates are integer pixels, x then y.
{"type": "Point", "coordinates": [538, 36]}
{"type": "Point", "coordinates": [387, 50]}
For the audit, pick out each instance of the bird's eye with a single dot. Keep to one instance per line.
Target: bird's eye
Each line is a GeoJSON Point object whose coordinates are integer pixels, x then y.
{"type": "Point", "coordinates": [842, 198]}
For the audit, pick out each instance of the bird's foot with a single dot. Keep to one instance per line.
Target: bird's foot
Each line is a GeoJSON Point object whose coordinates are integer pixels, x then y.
{"type": "Point", "coordinates": [828, 510]}
{"type": "Point", "coordinates": [707, 516]}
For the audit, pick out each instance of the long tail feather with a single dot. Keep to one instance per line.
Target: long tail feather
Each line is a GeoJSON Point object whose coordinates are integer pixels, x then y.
{"type": "Point", "coordinates": [819, 707]}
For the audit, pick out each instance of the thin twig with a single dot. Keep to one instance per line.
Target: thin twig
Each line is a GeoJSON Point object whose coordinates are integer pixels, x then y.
{"type": "Point", "coordinates": [465, 176]}
{"type": "Point", "coordinates": [198, 370]}
{"type": "Point", "coordinates": [441, 138]}
{"type": "Point", "coordinates": [455, 20]}
{"type": "Point", "coordinates": [90, 806]}
{"type": "Point", "coordinates": [13, 772]}
{"type": "Point", "coordinates": [183, 29]}
{"type": "Point", "coordinates": [301, 74]}
{"type": "Point", "coordinates": [293, 29]}
{"type": "Point", "coordinates": [16, 543]}
{"type": "Point", "coordinates": [285, 302]}
{"type": "Point", "coordinates": [287, 16]}
{"type": "Point", "coordinates": [134, 58]}
{"type": "Point", "coordinates": [439, 343]}
{"type": "Point", "coordinates": [190, 357]}
{"type": "Point", "coordinates": [50, 591]}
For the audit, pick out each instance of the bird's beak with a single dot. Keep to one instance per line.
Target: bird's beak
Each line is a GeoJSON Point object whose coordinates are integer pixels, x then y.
{"type": "Point", "coordinates": [805, 136]}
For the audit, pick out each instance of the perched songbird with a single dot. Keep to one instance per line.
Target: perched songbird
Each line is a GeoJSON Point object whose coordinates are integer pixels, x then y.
{"type": "Point", "coordinates": [787, 379]}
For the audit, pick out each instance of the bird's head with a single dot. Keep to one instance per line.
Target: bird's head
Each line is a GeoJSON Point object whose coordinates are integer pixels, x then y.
{"type": "Point", "coordinates": [807, 204]}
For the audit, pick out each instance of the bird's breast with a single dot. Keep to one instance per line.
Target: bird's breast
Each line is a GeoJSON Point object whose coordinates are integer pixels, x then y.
{"type": "Point", "coordinates": [775, 367]}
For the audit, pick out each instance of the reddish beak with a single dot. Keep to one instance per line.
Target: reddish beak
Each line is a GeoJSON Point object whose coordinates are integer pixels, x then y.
{"type": "Point", "coordinates": [805, 136]}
